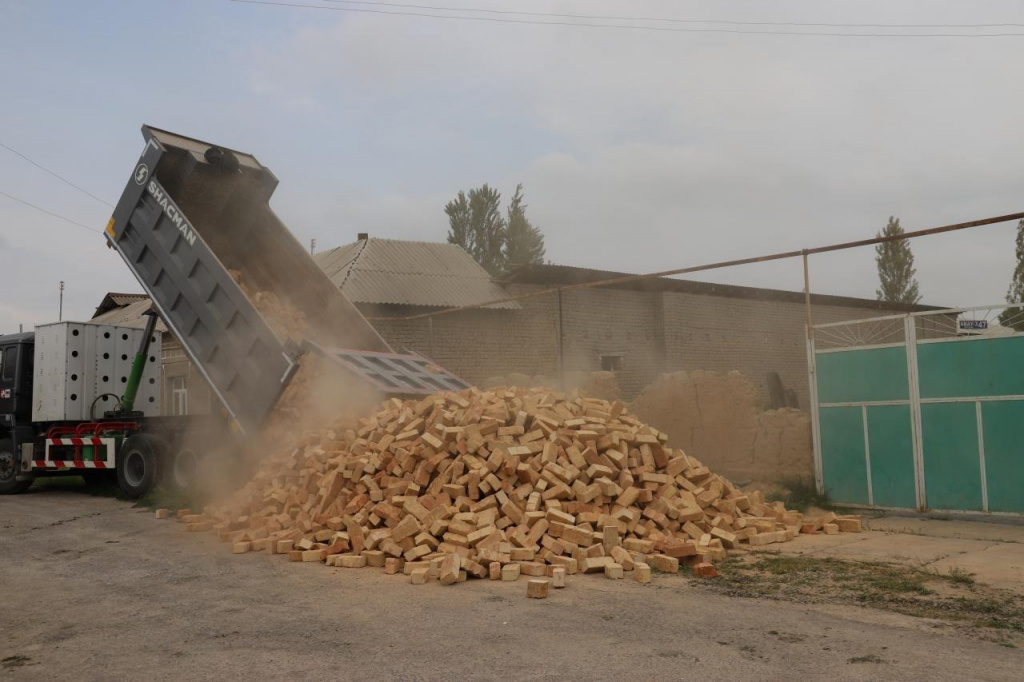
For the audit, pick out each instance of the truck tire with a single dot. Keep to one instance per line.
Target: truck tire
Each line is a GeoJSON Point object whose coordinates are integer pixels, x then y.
{"type": "Point", "coordinates": [136, 465]}
{"type": "Point", "coordinates": [9, 483]}
{"type": "Point", "coordinates": [184, 469]}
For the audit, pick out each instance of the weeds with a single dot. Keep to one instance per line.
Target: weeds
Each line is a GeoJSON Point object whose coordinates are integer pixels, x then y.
{"type": "Point", "coordinates": [159, 497]}
{"type": "Point", "coordinates": [960, 576]}
{"type": "Point", "coordinates": [169, 498]}
{"type": "Point", "coordinates": [802, 494]}
{"type": "Point", "coordinates": [902, 589]}
{"type": "Point", "coordinates": [101, 487]}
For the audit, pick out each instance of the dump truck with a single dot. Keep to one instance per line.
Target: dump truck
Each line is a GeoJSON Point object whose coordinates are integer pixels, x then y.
{"type": "Point", "coordinates": [195, 227]}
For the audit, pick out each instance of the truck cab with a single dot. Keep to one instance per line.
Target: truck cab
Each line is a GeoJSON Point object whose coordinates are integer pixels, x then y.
{"type": "Point", "coordinates": [16, 357]}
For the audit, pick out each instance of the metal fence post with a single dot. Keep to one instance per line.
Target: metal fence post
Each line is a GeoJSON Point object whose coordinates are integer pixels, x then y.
{"type": "Point", "coordinates": [819, 478]}
{"type": "Point", "coordinates": [812, 377]}
{"type": "Point", "coordinates": [914, 393]}
{"type": "Point", "coordinates": [561, 343]}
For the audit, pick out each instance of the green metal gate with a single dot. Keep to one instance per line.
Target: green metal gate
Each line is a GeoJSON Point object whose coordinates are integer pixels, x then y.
{"type": "Point", "coordinates": [921, 411]}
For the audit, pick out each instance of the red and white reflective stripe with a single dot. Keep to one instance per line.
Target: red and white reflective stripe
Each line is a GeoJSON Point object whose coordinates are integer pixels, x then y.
{"type": "Point", "coordinates": [107, 445]}
{"type": "Point", "coordinates": [78, 441]}
{"type": "Point", "coordinates": [67, 464]}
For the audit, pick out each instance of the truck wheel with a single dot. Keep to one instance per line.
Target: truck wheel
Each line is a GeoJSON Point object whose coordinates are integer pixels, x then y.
{"type": "Point", "coordinates": [136, 465]}
{"type": "Point", "coordinates": [184, 469]}
{"type": "Point", "coordinates": [9, 483]}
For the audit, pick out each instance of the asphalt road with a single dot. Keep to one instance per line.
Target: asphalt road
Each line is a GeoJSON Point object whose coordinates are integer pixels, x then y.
{"type": "Point", "coordinates": [93, 589]}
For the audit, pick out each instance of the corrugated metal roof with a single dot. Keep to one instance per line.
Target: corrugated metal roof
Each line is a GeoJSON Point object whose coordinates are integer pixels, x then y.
{"type": "Point", "coordinates": [390, 271]}
{"type": "Point", "coordinates": [114, 299]}
{"type": "Point", "coordinates": [126, 299]}
{"type": "Point", "coordinates": [132, 315]}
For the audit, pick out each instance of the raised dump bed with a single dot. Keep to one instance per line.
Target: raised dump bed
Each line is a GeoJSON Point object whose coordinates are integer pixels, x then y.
{"type": "Point", "coordinates": [193, 221]}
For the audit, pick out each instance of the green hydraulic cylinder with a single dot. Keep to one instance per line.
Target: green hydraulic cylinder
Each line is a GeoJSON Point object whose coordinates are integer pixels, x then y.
{"type": "Point", "coordinates": [138, 365]}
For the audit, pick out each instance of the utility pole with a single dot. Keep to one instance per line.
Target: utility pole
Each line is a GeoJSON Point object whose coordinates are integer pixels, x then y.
{"type": "Point", "coordinates": [312, 246]}
{"type": "Point", "coordinates": [60, 310]}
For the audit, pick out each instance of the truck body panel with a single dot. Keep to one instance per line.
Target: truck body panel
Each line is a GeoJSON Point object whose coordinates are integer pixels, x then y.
{"type": "Point", "coordinates": [81, 370]}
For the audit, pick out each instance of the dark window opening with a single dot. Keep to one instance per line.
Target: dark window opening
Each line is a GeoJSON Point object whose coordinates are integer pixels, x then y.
{"type": "Point", "coordinates": [7, 362]}
{"type": "Point", "coordinates": [611, 363]}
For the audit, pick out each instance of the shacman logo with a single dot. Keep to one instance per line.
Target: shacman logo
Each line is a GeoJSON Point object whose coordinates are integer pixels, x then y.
{"type": "Point", "coordinates": [141, 174]}
{"type": "Point", "coordinates": [172, 213]}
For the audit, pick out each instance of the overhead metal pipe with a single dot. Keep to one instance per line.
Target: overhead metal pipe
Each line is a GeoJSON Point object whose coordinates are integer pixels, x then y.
{"type": "Point", "coordinates": [721, 264]}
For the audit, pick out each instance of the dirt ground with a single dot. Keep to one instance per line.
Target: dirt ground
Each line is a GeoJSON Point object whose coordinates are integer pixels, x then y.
{"type": "Point", "coordinates": [992, 552]}
{"type": "Point", "coordinates": [94, 589]}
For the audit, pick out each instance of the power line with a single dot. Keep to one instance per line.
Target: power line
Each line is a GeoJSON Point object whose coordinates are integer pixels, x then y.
{"type": "Point", "coordinates": [660, 29]}
{"type": "Point", "coordinates": [62, 179]}
{"type": "Point", "coordinates": [50, 213]}
{"type": "Point", "coordinates": [668, 20]}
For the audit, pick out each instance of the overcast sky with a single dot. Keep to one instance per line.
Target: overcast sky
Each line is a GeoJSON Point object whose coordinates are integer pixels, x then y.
{"type": "Point", "coordinates": [639, 150]}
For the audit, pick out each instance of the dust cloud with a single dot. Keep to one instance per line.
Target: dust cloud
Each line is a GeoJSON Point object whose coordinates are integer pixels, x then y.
{"type": "Point", "coordinates": [321, 392]}
{"type": "Point", "coordinates": [600, 385]}
{"type": "Point", "coordinates": [721, 419]}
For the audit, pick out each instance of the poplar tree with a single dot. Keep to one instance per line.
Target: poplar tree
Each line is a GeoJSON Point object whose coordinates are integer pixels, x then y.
{"type": "Point", "coordinates": [524, 243]}
{"type": "Point", "coordinates": [1014, 317]}
{"type": "Point", "coordinates": [494, 241]}
{"type": "Point", "coordinates": [896, 272]}
{"type": "Point", "coordinates": [475, 223]}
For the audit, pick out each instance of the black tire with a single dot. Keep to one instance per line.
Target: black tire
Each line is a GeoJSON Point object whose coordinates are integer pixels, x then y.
{"type": "Point", "coordinates": [9, 465]}
{"type": "Point", "coordinates": [137, 465]}
{"type": "Point", "coordinates": [183, 469]}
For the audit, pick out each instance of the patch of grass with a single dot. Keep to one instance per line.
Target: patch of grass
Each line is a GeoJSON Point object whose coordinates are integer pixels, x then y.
{"type": "Point", "coordinates": [903, 589]}
{"type": "Point", "coordinates": [170, 498]}
{"type": "Point", "coordinates": [898, 582]}
{"type": "Point", "coordinates": [960, 576]}
{"type": "Point", "coordinates": [103, 488]}
{"type": "Point", "coordinates": [60, 483]}
{"type": "Point", "coordinates": [801, 495]}
{"type": "Point", "coordinates": [158, 498]}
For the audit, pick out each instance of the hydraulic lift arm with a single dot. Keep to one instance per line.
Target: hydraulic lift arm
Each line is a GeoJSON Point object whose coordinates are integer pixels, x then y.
{"type": "Point", "coordinates": [131, 389]}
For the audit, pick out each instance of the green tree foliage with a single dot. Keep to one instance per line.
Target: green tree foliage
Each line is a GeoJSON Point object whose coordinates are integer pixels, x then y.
{"type": "Point", "coordinates": [896, 271]}
{"type": "Point", "coordinates": [1014, 317]}
{"type": "Point", "coordinates": [459, 220]}
{"type": "Point", "coordinates": [524, 243]}
{"type": "Point", "coordinates": [476, 224]}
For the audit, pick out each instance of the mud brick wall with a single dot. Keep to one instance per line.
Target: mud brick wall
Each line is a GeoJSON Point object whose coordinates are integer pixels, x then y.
{"type": "Point", "coordinates": [650, 332]}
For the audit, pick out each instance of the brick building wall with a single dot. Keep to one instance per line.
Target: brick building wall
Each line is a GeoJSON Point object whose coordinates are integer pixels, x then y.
{"type": "Point", "coordinates": [477, 344]}
{"type": "Point", "coordinates": [649, 332]}
{"type": "Point", "coordinates": [752, 336]}
{"type": "Point", "coordinates": [643, 333]}
{"type": "Point", "coordinates": [627, 327]}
